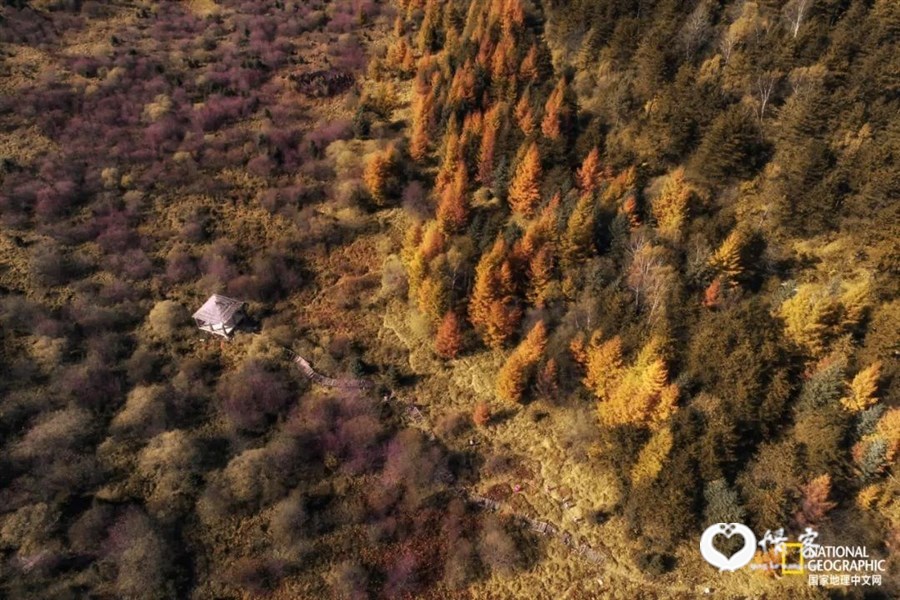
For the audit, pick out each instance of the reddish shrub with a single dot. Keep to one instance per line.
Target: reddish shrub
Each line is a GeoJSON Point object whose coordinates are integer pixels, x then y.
{"type": "Point", "coordinates": [256, 575]}
{"type": "Point", "coordinates": [56, 199]}
{"type": "Point", "coordinates": [143, 560]}
{"type": "Point", "coordinates": [415, 201]}
{"type": "Point", "coordinates": [180, 266]}
{"type": "Point", "coordinates": [218, 110]}
{"type": "Point", "coordinates": [349, 580]}
{"type": "Point", "coordinates": [402, 576]}
{"type": "Point", "coordinates": [116, 233]}
{"type": "Point", "coordinates": [133, 264]}
{"type": "Point", "coordinates": [261, 166]}
{"type": "Point", "coordinates": [319, 139]}
{"type": "Point", "coordinates": [497, 548]}
{"type": "Point", "coordinates": [252, 394]}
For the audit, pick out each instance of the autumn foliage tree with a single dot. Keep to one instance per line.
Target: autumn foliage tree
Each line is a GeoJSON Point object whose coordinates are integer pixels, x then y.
{"type": "Point", "coordinates": [601, 361]}
{"type": "Point", "coordinates": [547, 381]}
{"type": "Point", "coordinates": [424, 109]}
{"type": "Point", "coordinates": [519, 367]}
{"type": "Point", "coordinates": [481, 415]}
{"type": "Point", "coordinates": [525, 114]}
{"type": "Point", "coordinates": [863, 389]}
{"type": "Point", "coordinates": [529, 67]}
{"type": "Point", "coordinates": [578, 238]}
{"type": "Point", "coordinates": [727, 260]}
{"type": "Point", "coordinates": [525, 188]}
{"type": "Point", "coordinates": [590, 174]}
{"type": "Point", "coordinates": [815, 504]}
{"type": "Point", "coordinates": [536, 252]}
{"type": "Point", "coordinates": [380, 175]}
{"type": "Point", "coordinates": [651, 458]}
{"type": "Point", "coordinates": [434, 291]}
{"type": "Point", "coordinates": [818, 314]}
{"type": "Point", "coordinates": [450, 159]}
{"type": "Point", "coordinates": [670, 208]}
{"type": "Point", "coordinates": [453, 208]}
{"type": "Point", "coordinates": [448, 341]}
{"type": "Point", "coordinates": [712, 296]}
{"type": "Point", "coordinates": [488, 144]}
{"type": "Point", "coordinates": [493, 308]}
{"type": "Point", "coordinates": [540, 276]}
{"type": "Point", "coordinates": [639, 394]}
{"type": "Point", "coordinates": [557, 113]}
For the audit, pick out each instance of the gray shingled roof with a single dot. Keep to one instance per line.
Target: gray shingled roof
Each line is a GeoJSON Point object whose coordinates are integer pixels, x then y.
{"type": "Point", "coordinates": [218, 309]}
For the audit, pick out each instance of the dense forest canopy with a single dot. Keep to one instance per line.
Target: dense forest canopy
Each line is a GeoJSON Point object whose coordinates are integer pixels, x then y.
{"type": "Point", "coordinates": [588, 277]}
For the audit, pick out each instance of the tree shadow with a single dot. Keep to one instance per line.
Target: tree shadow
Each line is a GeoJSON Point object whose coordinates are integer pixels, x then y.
{"type": "Point", "coordinates": [502, 416]}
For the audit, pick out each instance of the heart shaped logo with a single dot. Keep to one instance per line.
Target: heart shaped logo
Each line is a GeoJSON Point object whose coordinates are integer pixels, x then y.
{"type": "Point", "coordinates": [713, 556]}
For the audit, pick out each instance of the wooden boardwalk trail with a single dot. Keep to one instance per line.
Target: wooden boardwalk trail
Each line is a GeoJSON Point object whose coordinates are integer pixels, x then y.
{"type": "Point", "coordinates": [346, 383]}
{"type": "Point", "coordinates": [542, 527]}
{"type": "Point", "coordinates": [415, 415]}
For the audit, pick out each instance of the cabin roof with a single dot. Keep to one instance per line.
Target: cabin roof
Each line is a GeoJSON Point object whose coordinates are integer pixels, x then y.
{"type": "Point", "coordinates": [218, 309]}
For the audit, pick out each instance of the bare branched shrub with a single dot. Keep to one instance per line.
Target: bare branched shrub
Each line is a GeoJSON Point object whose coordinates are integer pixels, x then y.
{"type": "Point", "coordinates": [462, 560]}
{"type": "Point", "coordinates": [393, 278]}
{"type": "Point", "coordinates": [287, 519]}
{"type": "Point", "coordinates": [415, 200]}
{"type": "Point", "coordinates": [403, 576]}
{"type": "Point", "coordinates": [260, 476]}
{"type": "Point", "coordinates": [29, 528]}
{"type": "Point", "coordinates": [349, 580]}
{"type": "Point", "coordinates": [144, 413]}
{"type": "Point", "coordinates": [52, 266]}
{"type": "Point", "coordinates": [170, 465]}
{"type": "Point", "coordinates": [86, 534]}
{"type": "Point", "coordinates": [56, 432]}
{"type": "Point", "coordinates": [497, 548]}
{"type": "Point", "coordinates": [143, 366]}
{"type": "Point", "coordinates": [411, 463]}
{"type": "Point", "coordinates": [48, 352]}
{"type": "Point", "coordinates": [167, 318]}
{"type": "Point", "coordinates": [142, 558]}
{"type": "Point", "coordinates": [258, 576]}
{"type": "Point", "coordinates": [252, 394]}
{"type": "Point", "coordinates": [453, 425]}
{"type": "Point", "coordinates": [180, 266]}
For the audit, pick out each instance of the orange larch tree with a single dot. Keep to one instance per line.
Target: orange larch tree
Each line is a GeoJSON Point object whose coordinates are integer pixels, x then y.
{"type": "Point", "coordinates": [712, 297]}
{"type": "Point", "coordinates": [493, 308]}
{"type": "Point", "coordinates": [529, 67]}
{"type": "Point", "coordinates": [519, 367]}
{"type": "Point", "coordinates": [547, 382]}
{"type": "Point", "coordinates": [591, 172]}
{"type": "Point", "coordinates": [524, 113]}
{"type": "Point", "coordinates": [453, 208]}
{"type": "Point", "coordinates": [423, 115]}
{"type": "Point", "coordinates": [670, 208]}
{"type": "Point", "coordinates": [488, 147]}
{"type": "Point", "coordinates": [448, 341]}
{"type": "Point", "coordinates": [450, 157]}
{"type": "Point", "coordinates": [481, 416]}
{"type": "Point", "coordinates": [557, 113]}
{"type": "Point", "coordinates": [380, 177]}
{"type": "Point", "coordinates": [540, 276]}
{"type": "Point", "coordinates": [525, 188]}
{"type": "Point", "coordinates": [630, 211]}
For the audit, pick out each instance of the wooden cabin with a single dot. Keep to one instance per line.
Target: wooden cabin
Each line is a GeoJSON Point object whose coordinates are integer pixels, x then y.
{"type": "Point", "coordinates": [220, 315]}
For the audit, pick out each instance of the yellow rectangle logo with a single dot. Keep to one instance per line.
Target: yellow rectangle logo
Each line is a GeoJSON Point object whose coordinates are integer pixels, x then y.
{"type": "Point", "coordinates": [784, 558]}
